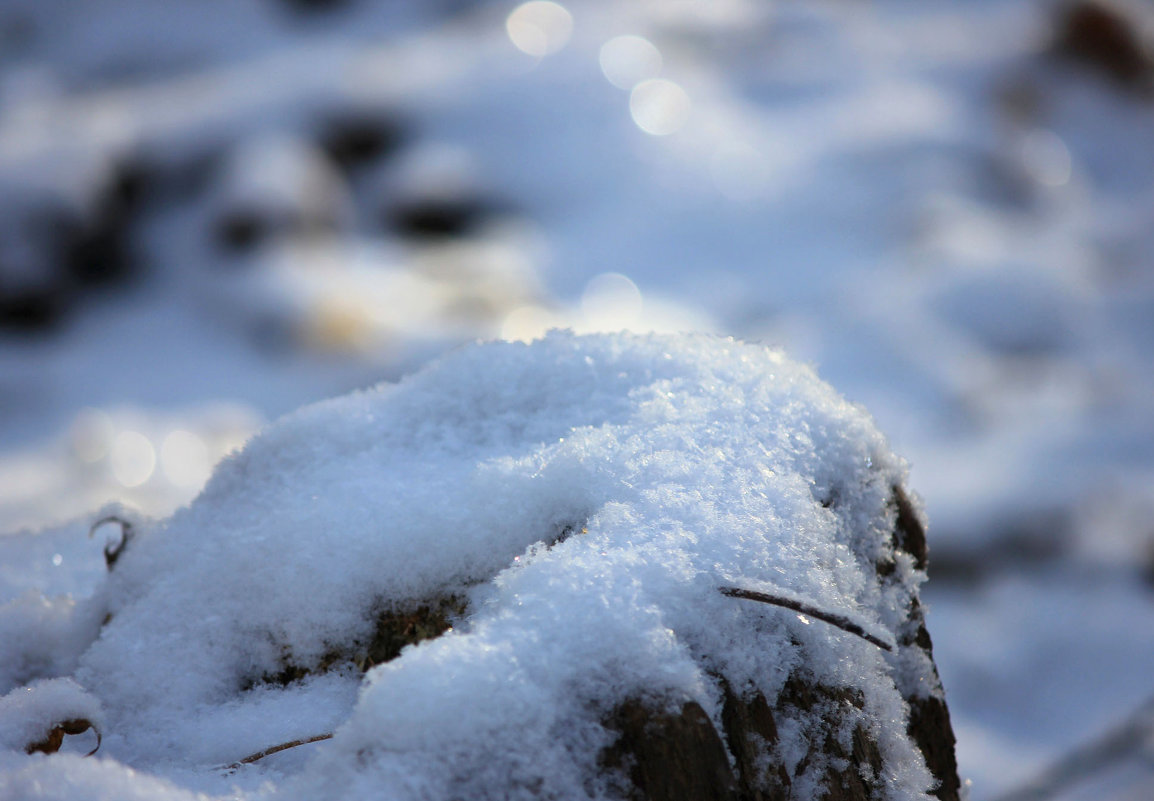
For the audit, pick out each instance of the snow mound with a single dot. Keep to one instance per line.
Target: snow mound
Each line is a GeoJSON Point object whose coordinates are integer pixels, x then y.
{"type": "Point", "coordinates": [562, 516]}
{"type": "Point", "coordinates": [29, 714]}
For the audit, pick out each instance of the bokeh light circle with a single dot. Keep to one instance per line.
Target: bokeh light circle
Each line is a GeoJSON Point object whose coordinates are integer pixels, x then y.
{"type": "Point", "coordinates": [628, 60]}
{"type": "Point", "coordinates": [659, 107]}
{"type": "Point", "coordinates": [133, 459]}
{"type": "Point", "coordinates": [540, 27]}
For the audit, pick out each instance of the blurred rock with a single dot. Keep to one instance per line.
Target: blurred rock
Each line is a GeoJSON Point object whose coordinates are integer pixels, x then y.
{"type": "Point", "coordinates": [62, 233]}
{"type": "Point", "coordinates": [1112, 37]}
{"type": "Point", "coordinates": [310, 6]}
{"type": "Point", "coordinates": [440, 218]}
{"type": "Point", "coordinates": [100, 250]}
{"type": "Point", "coordinates": [37, 238]}
{"type": "Point", "coordinates": [353, 141]}
{"type": "Point", "coordinates": [32, 308]}
{"type": "Point", "coordinates": [435, 192]}
{"type": "Point", "coordinates": [1019, 544]}
{"type": "Point", "coordinates": [275, 189]}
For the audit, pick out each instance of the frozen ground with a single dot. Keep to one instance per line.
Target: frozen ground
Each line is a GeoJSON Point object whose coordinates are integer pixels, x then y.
{"type": "Point", "coordinates": [211, 217]}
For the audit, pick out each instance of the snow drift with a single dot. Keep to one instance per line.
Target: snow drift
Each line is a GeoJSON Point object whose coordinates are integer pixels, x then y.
{"type": "Point", "coordinates": [550, 534]}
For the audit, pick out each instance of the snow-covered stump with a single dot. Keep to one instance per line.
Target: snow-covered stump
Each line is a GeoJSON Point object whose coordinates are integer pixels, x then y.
{"type": "Point", "coordinates": [605, 567]}
{"type": "Point", "coordinates": [679, 754]}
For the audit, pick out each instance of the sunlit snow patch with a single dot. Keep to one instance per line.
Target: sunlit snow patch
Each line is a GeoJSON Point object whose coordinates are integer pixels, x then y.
{"type": "Point", "coordinates": [550, 528]}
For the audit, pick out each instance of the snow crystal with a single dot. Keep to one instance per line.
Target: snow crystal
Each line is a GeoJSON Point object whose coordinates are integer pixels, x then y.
{"type": "Point", "coordinates": [581, 500]}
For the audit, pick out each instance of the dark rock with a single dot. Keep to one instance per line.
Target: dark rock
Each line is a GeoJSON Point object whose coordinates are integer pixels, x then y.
{"type": "Point", "coordinates": [314, 6]}
{"type": "Point", "coordinates": [53, 249]}
{"type": "Point", "coordinates": [99, 250]}
{"type": "Point", "coordinates": [440, 219]}
{"type": "Point", "coordinates": [32, 310]}
{"type": "Point", "coordinates": [1109, 37]}
{"type": "Point", "coordinates": [273, 190]}
{"type": "Point", "coordinates": [1032, 540]}
{"type": "Point", "coordinates": [240, 231]}
{"type": "Point", "coordinates": [358, 140]}
{"type": "Point", "coordinates": [1147, 563]}
{"type": "Point", "coordinates": [243, 230]}
{"type": "Point", "coordinates": [35, 290]}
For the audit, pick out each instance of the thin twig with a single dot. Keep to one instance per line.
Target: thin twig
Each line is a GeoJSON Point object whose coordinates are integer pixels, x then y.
{"type": "Point", "coordinates": [99, 740]}
{"type": "Point", "coordinates": [248, 760]}
{"type": "Point", "coordinates": [113, 550]}
{"type": "Point", "coordinates": [843, 623]}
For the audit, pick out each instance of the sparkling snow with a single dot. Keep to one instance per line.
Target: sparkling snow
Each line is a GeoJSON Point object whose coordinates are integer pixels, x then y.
{"type": "Point", "coordinates": [586, 496]}
{"type": "Point", "coordinates": [921, 199]}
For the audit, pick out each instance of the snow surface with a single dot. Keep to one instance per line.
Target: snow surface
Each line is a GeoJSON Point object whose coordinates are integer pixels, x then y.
{"type": "Point", "coordinates": [28, 714]}
{"type": "Point", "coordinates": [948, 220]}
{"type": "Point", "coordinates": [587, 496]}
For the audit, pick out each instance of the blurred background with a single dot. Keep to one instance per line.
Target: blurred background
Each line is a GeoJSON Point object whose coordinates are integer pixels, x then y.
{"type": "Point", "coordinates": [214, 211]}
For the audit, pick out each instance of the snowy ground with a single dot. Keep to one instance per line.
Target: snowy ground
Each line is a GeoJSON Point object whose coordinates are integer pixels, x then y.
{"type": "Point", "coordinates": [951, 221]}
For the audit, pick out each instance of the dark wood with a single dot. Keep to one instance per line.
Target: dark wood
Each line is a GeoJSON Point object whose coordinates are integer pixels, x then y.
{"type": "Point", "coordinates": [671, 751]}
{"type": "Point", "coordinates": [929, 724]}
{"type": "Point", "coordinates": [669, 755]}
{"type": "Point", "coordinates": [1107, 36]}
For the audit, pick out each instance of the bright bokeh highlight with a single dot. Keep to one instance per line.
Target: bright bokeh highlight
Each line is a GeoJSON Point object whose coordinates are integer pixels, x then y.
{"type": "Point", "coordinates": [133, 459]}
{"type": "Point", "coordinates": [539, 28]}
{"type": "Point", "coordinates": [1046, 158]}
{"type": "Point", "coordinates": [185, 458]}
{"type": "Point", "coordinates": [611, 302]}
{"type": "Point", "coordinates": [628, 60]}
{"type": "Point", "coordinates": [659, 107]}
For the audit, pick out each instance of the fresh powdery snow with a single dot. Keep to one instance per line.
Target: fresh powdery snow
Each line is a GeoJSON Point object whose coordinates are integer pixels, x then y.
{"type": "Point", "coordinates": [573, 505]}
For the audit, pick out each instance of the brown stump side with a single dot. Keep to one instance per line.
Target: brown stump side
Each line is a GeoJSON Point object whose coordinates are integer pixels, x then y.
{"type": "Point", "coordinates": [675, 756]}
{"type": "Point", "coordinates": [669, 756]}
{"type": "Point", "coordinates": [929, 723]}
